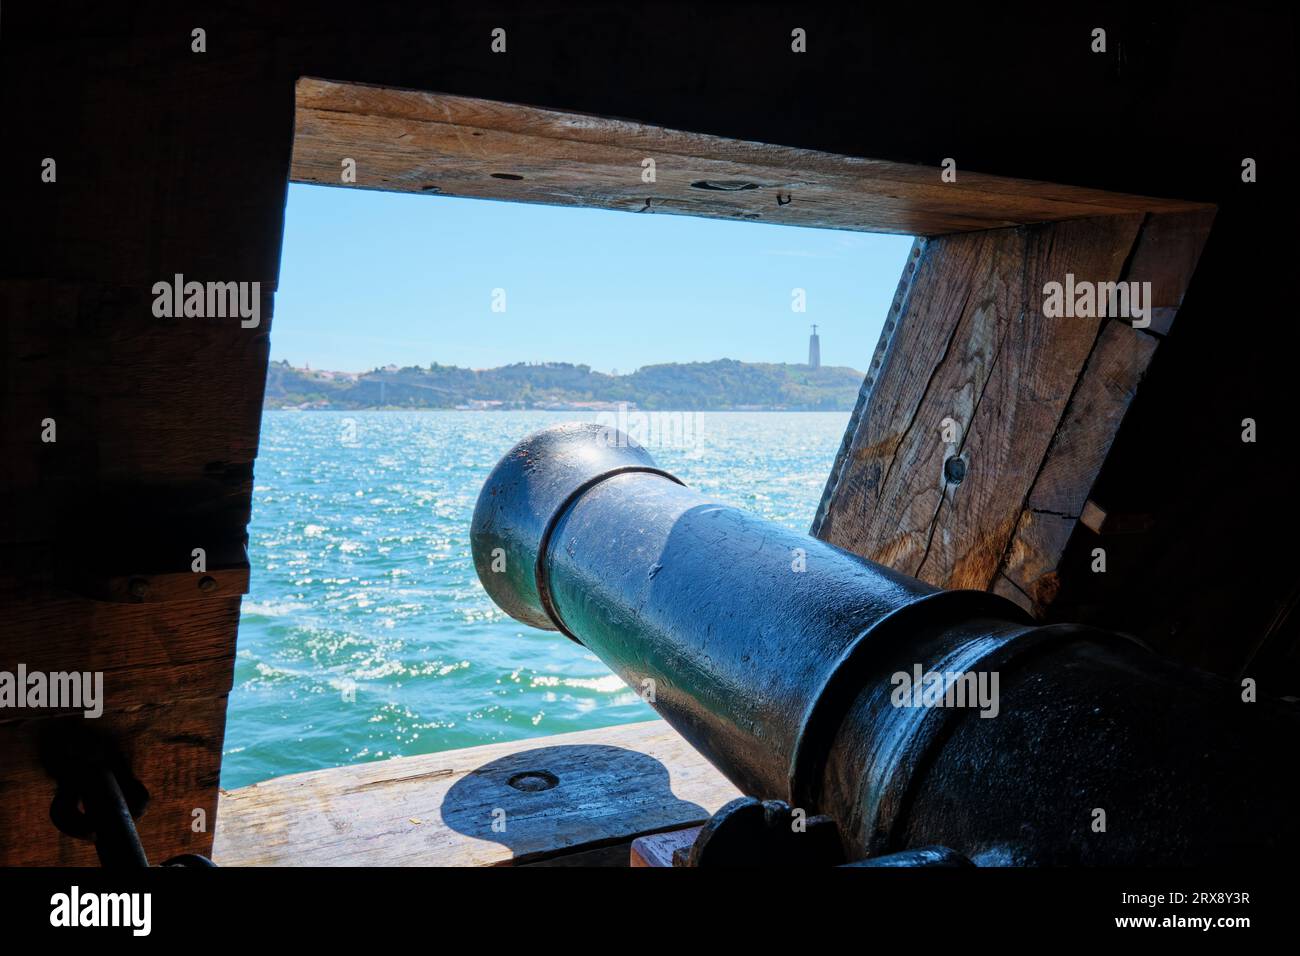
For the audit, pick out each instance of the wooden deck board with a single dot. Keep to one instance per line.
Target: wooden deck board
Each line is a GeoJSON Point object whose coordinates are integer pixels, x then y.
{"type": "Point", "coordinates": [459, 808]}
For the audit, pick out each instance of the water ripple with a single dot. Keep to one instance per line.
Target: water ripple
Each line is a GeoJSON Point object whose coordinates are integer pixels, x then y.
{"type": "Point", "coordinates": [366, 634]}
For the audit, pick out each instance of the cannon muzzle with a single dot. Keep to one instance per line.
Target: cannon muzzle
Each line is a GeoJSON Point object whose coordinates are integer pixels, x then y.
{"type": "Point", "coordinates": [912, 716]}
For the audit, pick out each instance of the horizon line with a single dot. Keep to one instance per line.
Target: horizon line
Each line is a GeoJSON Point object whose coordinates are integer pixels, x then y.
{"type": "Point", "coordinates": [538, 363]}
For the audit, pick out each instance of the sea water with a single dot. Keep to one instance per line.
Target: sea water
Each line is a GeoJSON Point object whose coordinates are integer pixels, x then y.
{"type": "Point", "coordinates": [366, 635]}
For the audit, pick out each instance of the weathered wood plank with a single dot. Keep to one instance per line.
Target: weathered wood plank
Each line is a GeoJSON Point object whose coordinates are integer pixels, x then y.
{"type": "Point", "coordinates": [148, 653]}
{"type": "Point", "coordinates": [593, 787]}
{"type": "Point", "coordinates": [1031, 575]}
{"type": "Point", "coordinates": [1034, 373]}
{"type": "Point", "coordinates": [1106, 387]}
{"type": "Point", "coordinates": [411, 141]}
{"type": "Point", "coordinates": [657, 849]}
{"type": "Point", "coordinates": [916, 335]}
{"type": "Point", "coordinates": [974, 351]}
{"type": "Point", "coordinates": [1165, 255]}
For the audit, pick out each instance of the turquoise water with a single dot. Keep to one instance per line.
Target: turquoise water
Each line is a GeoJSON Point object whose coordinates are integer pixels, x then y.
{"type": "Point", "coordinates": [366, 634]}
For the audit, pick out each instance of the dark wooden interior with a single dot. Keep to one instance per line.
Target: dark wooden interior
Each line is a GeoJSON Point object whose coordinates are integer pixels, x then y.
{"type": "Point", "coordinates": [170, 161]}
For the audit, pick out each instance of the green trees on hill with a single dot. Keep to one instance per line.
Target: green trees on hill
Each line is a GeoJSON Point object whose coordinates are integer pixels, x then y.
{"type": "Point", "coordinates": [721, 384]}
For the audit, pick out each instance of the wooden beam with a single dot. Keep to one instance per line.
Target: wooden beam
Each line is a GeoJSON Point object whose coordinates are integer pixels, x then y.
{"type": "Point", "coordinates": [148, 653]}
{"type": "Point", "coordinates": [975, 381]}
{"type": "Point", "coordinates": [1032, 403]}
{"type": "Point", "coordinates": [1165, 255]}
{"type": "Point", "coordinates": [509, 803]}
{"type": "Point", "coordinates": [174, 749]}
{"type": "Point", "coordinates": [433, 143]}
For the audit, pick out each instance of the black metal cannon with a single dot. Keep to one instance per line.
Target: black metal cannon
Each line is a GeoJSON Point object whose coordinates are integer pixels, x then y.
{"type": "Point", "coordinates": [905, 717]}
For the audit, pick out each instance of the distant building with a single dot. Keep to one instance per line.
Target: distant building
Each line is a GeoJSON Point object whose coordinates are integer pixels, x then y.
{"type": "Point", "coordinates": [814, 349]}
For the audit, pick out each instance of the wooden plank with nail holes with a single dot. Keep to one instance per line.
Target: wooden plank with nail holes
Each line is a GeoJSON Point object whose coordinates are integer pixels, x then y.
{"type": "Point", "coordinates": [459, 808]}
{"type": "Point", "coordinates": [434, 143]}
{"type": "Point", "coordinates": [1035, 402]}
{"type": "Point", "coordinates": [973, 348]}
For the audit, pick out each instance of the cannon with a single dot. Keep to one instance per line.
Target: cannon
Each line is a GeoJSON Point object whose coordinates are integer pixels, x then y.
{"type": "Point", "coordinates": [895, 722]}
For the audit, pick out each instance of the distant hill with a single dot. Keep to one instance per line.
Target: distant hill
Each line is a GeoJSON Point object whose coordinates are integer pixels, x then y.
{"type": "Point", "coordinates": [694, 386]}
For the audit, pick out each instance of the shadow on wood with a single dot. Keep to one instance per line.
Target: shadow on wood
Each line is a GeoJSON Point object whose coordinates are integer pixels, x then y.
{"type": "Point", "coordinates": [576, 797]}
{"type": "Point", "coordinates": [554, 798]}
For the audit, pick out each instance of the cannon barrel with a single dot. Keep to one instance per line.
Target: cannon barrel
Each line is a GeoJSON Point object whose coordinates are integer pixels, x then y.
{"type": "Point", "coordinates": [912, 716]}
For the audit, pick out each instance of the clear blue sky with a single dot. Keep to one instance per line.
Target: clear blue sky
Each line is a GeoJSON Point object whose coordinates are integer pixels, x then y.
{"type": "Point", "coordinates": [370, 278]}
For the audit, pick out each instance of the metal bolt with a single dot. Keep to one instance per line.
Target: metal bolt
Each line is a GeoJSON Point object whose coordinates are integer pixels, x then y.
{"type": "Point", "coordinates": [533, 781]}
{"type": "Point", "coordinates": [954, 469]}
